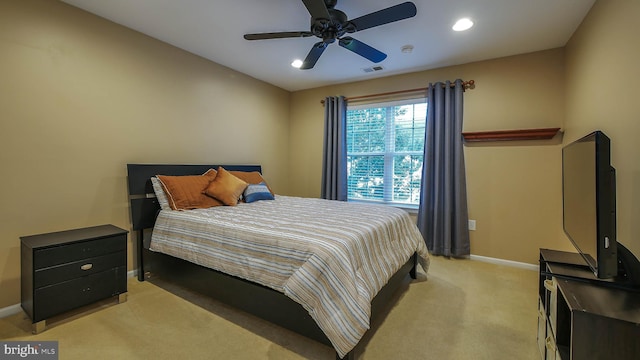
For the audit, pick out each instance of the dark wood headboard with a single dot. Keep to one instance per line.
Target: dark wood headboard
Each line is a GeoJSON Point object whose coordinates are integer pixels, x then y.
{"type": "Point", "coordinates": [144, 205]}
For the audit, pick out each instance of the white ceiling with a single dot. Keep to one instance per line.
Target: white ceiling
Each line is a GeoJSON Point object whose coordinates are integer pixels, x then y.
{"type": "Point", "coordinates": [214, 29]}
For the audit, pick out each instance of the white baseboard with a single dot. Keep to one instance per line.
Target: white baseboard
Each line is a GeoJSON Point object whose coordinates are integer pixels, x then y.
{"type": "Point", "coordinates": [10, 310]}
{"type": "Point", "coordinates": [14, 309]}
{"type": "Point", "coordinates": [517, 264]}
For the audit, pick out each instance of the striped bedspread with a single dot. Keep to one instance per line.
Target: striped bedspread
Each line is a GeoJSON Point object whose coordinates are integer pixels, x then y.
{"type": "Point", "coordinates": [332, 257]}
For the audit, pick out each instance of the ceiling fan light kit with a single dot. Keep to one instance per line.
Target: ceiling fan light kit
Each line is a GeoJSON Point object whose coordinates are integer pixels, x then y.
{"type": "Point", "coordinates": [330, 24]}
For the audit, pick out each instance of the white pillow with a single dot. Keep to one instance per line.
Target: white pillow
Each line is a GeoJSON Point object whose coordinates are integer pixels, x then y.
{"type": "Point", "coordinates": [160, 195]}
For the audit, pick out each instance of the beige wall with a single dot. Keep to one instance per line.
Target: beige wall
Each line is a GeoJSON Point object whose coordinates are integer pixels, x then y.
{"type": "Point", "coordinates": [514, 189]}
{"type": "Point", "coordinates": [81, 97]}
{"type": "Point", "coordinates": [602, 94]}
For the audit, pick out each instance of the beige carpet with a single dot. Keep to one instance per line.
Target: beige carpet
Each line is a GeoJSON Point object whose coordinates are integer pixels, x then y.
{"type": "Point", "coordinates": [465, 310]}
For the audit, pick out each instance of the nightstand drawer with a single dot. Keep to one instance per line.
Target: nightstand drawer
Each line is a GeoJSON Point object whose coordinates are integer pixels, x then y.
{"type": "Point", "coordinates": [55, 299]}
{"type": "Point", "coordinates": [43, 258]}
{"type": "Point", "coordinates": [77, 269]}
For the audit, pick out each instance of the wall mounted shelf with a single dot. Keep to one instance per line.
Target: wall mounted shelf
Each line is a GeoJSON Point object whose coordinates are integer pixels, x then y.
{"type": "Point", "coordinates": [511, 135]}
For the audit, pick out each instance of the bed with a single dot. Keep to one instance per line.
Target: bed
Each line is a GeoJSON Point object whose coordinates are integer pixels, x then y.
{"type": "Point", "coordinates": [315, 282]}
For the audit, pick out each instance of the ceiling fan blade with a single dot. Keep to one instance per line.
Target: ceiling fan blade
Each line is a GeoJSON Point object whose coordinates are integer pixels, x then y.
{"type": "Point", "coordinates": [317, 9]}
{"type": "Point", "coordinates": [278, 35]}
{"type": "Point", "coordinates": [313, 56]}
{"type": "Point", "coordinates": [362, 49]}
{"type": "Point", "coordinates": [385, 16]}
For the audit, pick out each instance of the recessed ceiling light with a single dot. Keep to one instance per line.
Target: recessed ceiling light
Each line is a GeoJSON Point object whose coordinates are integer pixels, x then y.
{"type": "Point", "coordinates": [296, 63]}
{"type": "Point", "coordinates": [463, 24]}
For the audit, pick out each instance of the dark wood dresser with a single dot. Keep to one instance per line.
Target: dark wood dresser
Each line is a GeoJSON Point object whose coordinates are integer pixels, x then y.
{"type": "Point", "coordinates": [64, 270]}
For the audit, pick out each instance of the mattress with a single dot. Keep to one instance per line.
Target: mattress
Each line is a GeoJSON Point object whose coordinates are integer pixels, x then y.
{"type": "Point", "coordinates": [332, 257]}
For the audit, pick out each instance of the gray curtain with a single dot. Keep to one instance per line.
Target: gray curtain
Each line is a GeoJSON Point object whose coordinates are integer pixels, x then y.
{"type": "Point", "coordinates": [334, 161]}
{"type": "Point", "coordinates": [443, 216]}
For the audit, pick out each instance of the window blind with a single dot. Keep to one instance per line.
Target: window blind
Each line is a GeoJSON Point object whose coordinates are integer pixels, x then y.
{"type": "Point", "coordinates": [385, 144]}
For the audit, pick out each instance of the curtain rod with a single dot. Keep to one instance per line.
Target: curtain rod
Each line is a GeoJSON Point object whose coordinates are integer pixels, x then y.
{"type": "Point", "coordinates": [465, 84]}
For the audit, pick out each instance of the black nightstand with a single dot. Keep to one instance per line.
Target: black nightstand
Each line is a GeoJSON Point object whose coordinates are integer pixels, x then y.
{"type": "Point", "coordinates": [65, 270]}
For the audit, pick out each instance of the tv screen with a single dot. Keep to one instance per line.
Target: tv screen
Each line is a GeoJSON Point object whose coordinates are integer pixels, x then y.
{"type": "Point", "coordinates": [588, 190]}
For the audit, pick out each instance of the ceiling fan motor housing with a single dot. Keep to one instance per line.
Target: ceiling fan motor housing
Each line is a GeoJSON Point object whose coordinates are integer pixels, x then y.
{"type": "Point", "coordinates": [330, 29]}
{"type": "Point", "coordinates": [330, 3]}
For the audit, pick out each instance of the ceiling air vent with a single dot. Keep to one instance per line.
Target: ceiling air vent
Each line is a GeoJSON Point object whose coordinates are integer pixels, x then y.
{"type": "Point", "coordinates": [372, 69]}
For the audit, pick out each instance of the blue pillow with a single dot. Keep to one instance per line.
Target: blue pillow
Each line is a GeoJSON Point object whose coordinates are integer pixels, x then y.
{"type": "Point", "coordinates": [255, 192]}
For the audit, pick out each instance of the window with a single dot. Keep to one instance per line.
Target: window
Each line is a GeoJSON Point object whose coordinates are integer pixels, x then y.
{"type": "Point", "coordinates": [385, 146]}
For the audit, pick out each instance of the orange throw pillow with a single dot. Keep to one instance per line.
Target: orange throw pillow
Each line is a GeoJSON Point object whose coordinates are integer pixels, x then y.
{"type": "Point", "coordinates": [226, 187]}
{"type": "Point", "coordinates": [185, 192]}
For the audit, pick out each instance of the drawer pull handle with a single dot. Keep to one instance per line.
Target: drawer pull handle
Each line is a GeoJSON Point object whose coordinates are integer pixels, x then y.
{"type": "Point", "coordinates": [86, 266]}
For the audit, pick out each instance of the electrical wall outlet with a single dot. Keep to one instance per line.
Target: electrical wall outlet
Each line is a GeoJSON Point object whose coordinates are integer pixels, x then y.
{"type": "Point", "coordinates": [472, 224]}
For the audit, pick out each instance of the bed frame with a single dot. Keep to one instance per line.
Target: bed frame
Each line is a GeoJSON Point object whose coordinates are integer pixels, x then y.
{"type": "Point", "coordinates": [248, 296]}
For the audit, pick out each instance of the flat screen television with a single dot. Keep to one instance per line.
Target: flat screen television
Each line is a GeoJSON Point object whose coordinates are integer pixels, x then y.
{"type": "Point", "coordinates": [589, 209]}
{"type": "Point", "coordinates": [589, 202]}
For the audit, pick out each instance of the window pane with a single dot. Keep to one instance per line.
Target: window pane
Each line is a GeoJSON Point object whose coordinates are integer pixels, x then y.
{"type": "Point", "coordinates": [365, 177]}
{"type": "Point", "coordinates": [409, 127]}
{"type": "Point", "coordinates": [366, 130]}
{"type": "Point", "coordinates": [407, 172]}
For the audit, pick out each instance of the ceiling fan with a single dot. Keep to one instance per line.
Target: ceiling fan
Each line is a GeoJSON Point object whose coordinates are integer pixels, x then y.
{"type": "Point", "coordinates": [330, 24]}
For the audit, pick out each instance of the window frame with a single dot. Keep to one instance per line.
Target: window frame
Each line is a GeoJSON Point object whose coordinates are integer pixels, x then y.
{"type": "Point", "coordinates": [388, 156]}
